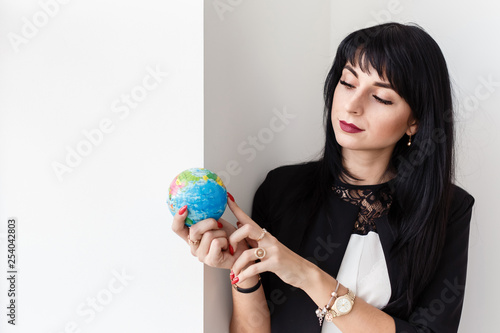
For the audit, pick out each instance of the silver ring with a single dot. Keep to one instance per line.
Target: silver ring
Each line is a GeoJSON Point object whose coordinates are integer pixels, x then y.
{"type": "Point", "coordinates": [260, 253]}
{"type": "Point", "coordinates": [264, 232]}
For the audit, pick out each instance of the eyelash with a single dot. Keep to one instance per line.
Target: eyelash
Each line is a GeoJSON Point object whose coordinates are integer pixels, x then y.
{"type": "Point", "coordinates": [346, 84]}
{"type": "Point", "coordinates": [378, 99]}
{"type": "Point", "coordinates": [383, 101]}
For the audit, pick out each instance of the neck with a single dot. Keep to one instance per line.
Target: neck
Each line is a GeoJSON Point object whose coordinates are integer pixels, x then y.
{"type": "Point", "coordinates": [370, 167]}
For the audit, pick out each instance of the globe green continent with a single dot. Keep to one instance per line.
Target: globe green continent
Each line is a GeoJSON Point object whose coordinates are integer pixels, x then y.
{"type": "Point", "coordinates": [202, 191]}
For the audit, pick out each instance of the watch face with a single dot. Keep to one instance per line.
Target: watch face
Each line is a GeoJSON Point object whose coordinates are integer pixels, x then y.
{"type": "Point", "coordinates": [343, 305]}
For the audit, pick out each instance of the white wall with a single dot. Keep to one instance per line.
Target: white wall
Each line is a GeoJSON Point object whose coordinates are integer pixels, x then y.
{"type": "Point", "coordinates": [262, 55]}
{"type": "Point", "coordinates": [108, 216]}
{"type": "Point", "coordinates": [265, 64]}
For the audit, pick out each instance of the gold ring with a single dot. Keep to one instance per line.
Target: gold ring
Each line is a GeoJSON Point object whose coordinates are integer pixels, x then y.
{"type": "Point", "coordinates": [191, 242]}
{"type": "Point", "coordinates": [264, 232]}
{"type": "Point", "coordinates": [260, 253]}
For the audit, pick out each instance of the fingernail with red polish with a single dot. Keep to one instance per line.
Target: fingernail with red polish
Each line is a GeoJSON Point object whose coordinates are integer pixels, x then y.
{"type": "Point", "coordinates": [231, 250]}
{"type": "Point", "coordinates": [235, 280]}
{"type": "Point", "coordinates": [183, 209]}
{"type": "Point", "coordinates": [230, 196]}
{"type": "Point", "coordinates": [231, 275]}
{"type": "Point", "coordinates": [239, 224]}
{"type": "Point", "coordinates": [219, 224]}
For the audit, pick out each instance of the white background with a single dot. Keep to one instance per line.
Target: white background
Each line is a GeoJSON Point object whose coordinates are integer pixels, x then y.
{"type": "Point", "coordinates": [262, 58]}
{"type": "Point", "coordinates": [108, 216]}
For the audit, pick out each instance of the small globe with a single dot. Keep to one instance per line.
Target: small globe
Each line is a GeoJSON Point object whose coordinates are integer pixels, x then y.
{"type": "Point", "coordinates": [202, 191]}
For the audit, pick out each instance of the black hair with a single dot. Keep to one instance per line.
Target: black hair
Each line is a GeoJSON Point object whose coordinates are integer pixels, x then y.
{"type": "Point", "coordinates": [414, 65]}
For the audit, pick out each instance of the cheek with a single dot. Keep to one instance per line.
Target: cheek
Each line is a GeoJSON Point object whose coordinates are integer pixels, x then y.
{"type": "Point", "coordinates": [337, 97]}
{"type": "Point", "coordinates": [390, 126]}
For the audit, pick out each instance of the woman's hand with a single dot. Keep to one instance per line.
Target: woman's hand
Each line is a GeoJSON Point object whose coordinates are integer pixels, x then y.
{"type": "Point", "coordinates": [208, 240]}
{"type": "Point", "coordinates": [274, 256]}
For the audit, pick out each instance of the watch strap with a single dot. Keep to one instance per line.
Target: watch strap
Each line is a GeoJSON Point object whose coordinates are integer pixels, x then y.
{"type": "Point", "coordinates": [332, 313]}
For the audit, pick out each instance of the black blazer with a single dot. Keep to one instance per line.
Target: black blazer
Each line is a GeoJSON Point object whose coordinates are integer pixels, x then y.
{"type": "Point", "coordinates": [437, 310]}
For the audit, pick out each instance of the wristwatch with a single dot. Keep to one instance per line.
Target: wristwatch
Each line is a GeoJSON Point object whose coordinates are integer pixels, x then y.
{"type": "Point", "coordinates": [342, 306]}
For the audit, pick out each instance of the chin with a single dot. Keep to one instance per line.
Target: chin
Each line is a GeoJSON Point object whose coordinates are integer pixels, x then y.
{"type": "Point", "coordinates": [345, 139]}
{"type": "Point", "coordinates": [349, 144]}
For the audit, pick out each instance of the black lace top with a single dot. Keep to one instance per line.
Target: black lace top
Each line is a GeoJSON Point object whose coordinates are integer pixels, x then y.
{"type": "Point", "coordinates": [373, 201]}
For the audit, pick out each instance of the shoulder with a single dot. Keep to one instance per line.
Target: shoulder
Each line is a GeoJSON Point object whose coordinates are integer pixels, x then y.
{"type": "Point", "coordinates": [461, 203]}
{"type": "Point", "coordinates": [291, 172]}
{"type": "Point", "coordinates": [290, 178]}
{"type": "Point", "coordinates": [286, 183]}
{"type": "Point", "coordinates": [283, 195]}
{"type": "Point", "coordinates": [460, 198]}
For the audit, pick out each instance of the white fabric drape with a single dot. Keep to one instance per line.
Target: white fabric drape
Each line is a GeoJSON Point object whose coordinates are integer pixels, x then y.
{"type": "Point", "coordinates": [364, 270]}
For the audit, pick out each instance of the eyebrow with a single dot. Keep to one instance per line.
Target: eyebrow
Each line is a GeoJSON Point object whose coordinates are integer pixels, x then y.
{"type": "Point", "coordinates": [377, 83]}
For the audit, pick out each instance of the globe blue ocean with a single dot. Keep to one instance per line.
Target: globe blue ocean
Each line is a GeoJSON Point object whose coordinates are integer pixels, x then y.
{"type": "Point", "coordinates": [202, 191]}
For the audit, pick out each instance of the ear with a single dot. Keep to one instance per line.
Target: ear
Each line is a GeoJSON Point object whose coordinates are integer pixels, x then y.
{"type": "Point", "coordinates": [412, 126]}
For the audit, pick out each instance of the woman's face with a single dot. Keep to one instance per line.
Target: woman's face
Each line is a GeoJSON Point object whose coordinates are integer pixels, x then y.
{"type": "Point", "coordinates": [367, 114]}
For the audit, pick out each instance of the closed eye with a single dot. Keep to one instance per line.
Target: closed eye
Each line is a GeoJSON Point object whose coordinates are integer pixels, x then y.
{"type": "Point", "coordinates": [383, 101]}
{"type": "Point", "coordinates": [348, 85]}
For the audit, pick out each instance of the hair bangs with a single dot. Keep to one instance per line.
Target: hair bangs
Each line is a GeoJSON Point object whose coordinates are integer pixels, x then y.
{"type": "Point", "coordinates": [374, 48]}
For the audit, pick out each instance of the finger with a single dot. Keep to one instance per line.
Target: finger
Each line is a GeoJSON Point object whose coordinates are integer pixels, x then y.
{"type": "Point", "coordinates": [197, 230]}
{"type": "Point", "coordinates": [216, 257]}
{"type": "Point", "coordinates": [247, 259]}
{"type": "Point", "coordinates": [252, 270]}
{"type": "Point", "coordinates": [250, 242]}
{"type": "Point", "coordinates": [201, 251]}
{"type": "Point", "coordinates": [249, 232]}
{"type": "Point", "coordinates": [242, 217]}
{"type": "Point", "coordinates": [178, 225]}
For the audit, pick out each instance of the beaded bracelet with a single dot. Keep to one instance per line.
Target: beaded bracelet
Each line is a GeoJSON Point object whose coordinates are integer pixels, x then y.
{"type": "Point", "coordinates": [320, 313]}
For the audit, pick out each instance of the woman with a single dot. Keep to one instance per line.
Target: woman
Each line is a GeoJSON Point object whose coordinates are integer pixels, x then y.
{"type": "Point", "coordinates": [373, 237]}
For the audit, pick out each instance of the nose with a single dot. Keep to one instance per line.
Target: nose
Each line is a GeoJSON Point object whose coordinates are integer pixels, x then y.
{"type": "Point", "coordinates": [354, 103]}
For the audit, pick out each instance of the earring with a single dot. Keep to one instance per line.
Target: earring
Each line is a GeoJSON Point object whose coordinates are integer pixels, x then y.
{"type": "Point", "coordinates": [409, 141]}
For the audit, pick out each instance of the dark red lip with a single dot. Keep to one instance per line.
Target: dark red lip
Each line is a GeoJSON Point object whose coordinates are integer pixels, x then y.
{"type": "Point", "coordinates": [349, 128]}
